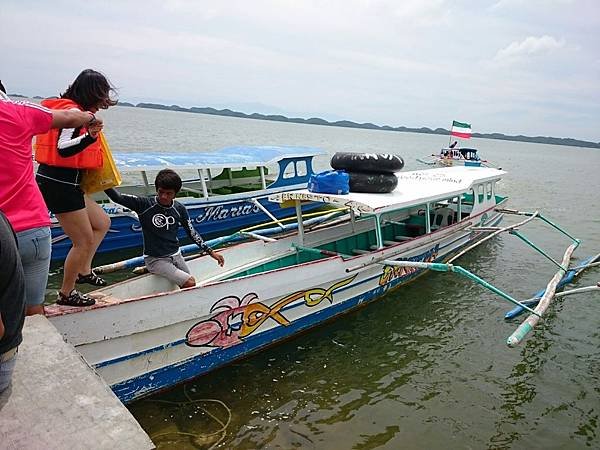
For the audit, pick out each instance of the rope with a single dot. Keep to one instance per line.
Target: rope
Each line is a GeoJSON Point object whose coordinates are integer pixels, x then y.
{"type": "Point", "coordinates": [223, 425]}
{"type": "Point", "coordinates": [292, 218]}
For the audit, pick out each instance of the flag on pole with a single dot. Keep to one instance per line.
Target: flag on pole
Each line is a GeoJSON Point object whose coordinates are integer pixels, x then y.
{"type": "Point", "coordinates": [461, 130]}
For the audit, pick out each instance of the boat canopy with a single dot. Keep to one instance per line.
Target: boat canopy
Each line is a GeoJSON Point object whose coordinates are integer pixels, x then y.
{"type": "Point", "coordinates": [229, 157]}
{"type": "Point", "coordinates": [414, 188]}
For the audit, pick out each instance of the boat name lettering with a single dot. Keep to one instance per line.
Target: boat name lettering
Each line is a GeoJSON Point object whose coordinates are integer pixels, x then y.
{"type": "Point", "coordinates": [114, 209]}
{"type": "Point", "coordinates": [221, 212]}
{"type": "Point", "coordinates": [429, 178]}
{"type": "Point", "coordinates": [236, 319]}
{"type": "Point", "coordinates": [393, 272]}
{"type": "Point", "coordinates": [323, 198]}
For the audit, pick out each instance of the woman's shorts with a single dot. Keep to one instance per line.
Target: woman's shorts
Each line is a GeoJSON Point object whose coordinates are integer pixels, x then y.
{"type": "Point", "coordinates": [34, 248]}
{"type": "Point", "coordinates": [61, 197]}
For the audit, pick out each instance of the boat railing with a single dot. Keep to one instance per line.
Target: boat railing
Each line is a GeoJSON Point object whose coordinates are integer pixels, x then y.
{"type": "Point", "coordinates": [314, 219]}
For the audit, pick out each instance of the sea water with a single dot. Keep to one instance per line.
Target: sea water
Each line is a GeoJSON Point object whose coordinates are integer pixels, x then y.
{"type": "Point", "coordinates": [426, 367]}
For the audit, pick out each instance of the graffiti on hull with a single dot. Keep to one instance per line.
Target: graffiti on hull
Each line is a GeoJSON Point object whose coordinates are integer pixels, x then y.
{"type": "Point", "coordinates": [236, 318]}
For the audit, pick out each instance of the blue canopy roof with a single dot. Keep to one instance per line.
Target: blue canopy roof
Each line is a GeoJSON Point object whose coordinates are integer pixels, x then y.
{"type": "Point", "coordinates": [243, 156]}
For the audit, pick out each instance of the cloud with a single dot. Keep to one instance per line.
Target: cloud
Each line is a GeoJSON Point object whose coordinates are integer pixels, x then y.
{"type": "Point", "coordinates": [530, 46]}
{"type": "Point", "coordinates": [408, 63]}
{"type": "Point", "coordinates": [510, 4]}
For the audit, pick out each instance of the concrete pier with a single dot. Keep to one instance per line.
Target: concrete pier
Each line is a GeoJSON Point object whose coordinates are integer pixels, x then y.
{"type": "Point", "coordinates": [56, 401]}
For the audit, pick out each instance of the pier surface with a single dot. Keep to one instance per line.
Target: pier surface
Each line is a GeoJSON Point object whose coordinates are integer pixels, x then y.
{"type": "Point", "coordinates": [56, 401]}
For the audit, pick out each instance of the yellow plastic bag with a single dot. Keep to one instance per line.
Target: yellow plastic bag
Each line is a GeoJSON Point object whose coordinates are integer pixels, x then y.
{"type": "Point", "coordinates": [105, 177]}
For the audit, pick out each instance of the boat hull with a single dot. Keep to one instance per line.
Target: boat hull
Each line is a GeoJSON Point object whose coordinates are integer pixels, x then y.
{"type": "Point", "coordinates": [151, 343]}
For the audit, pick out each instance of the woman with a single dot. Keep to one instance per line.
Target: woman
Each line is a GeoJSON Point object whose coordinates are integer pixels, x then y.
{"type": "Point", "coordinates": [63, 155]}
{"type": "Point", "coordinates": [20, 198]}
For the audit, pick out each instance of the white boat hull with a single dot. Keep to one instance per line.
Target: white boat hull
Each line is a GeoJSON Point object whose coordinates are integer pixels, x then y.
{"type": "Point", "coordinates": [145, 344]}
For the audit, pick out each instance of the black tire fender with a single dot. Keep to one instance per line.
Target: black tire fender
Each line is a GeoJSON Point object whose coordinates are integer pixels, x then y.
{"type": "Point", "coordinates": [367, 162]}
{"type": "Point", "coordinates": [374, 183]}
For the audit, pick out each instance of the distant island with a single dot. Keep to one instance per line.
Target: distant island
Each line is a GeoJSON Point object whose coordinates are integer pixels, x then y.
{"type": "Point", "coordinates": [349, 124]}
{"type": "Point", "coordinates": [367, 125]}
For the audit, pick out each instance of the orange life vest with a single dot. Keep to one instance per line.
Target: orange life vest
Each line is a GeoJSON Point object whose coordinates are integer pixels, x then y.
{"type": "Point", "coordinates": [46, 145]}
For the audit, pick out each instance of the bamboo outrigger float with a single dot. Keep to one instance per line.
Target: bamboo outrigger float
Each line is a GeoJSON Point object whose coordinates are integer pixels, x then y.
{"type": "Point", "coordinates": [547, 295]}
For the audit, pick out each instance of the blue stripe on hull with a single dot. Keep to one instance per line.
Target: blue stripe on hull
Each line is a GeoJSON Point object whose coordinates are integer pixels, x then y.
{"type": "Point", "coordinates": [201, 364]}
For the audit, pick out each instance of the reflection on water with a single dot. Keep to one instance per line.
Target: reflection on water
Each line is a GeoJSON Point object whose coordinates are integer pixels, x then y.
{"type": "Point", "coordinates": [427, 366]}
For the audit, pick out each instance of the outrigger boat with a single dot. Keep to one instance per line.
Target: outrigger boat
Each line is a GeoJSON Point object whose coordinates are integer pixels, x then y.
{"type": "Point", "coordinates": [145, 334]}
{"type": "Point", "coordinates": [228, 192]}
{"type": "Point", "coordinates": [453, 155]}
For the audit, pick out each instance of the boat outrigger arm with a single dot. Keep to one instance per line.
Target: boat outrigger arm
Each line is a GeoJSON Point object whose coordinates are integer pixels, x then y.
{"type": "Point", "coordinates": [550, 292]}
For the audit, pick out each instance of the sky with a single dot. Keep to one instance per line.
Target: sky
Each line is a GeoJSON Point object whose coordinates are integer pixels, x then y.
{"type": "Point", "coordinates": [528, 67]}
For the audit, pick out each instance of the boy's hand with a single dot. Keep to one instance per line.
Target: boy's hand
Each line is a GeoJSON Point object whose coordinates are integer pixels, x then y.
{"type": "Point", "coordinates": [217, 257]}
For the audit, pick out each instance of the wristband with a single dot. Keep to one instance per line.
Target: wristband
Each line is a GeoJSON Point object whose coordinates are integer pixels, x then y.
{"type": "Point", "coordinates": [92, 119]}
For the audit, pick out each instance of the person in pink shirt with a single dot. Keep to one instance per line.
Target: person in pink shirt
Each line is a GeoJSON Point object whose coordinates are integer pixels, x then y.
{"type": "Point", "coordinates": [20, 197]}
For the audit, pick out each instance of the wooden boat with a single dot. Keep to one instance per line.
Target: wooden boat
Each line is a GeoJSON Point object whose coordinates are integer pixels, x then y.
{"type": "Point", "coordinates": [145, 334]}
{"type": "Point", "coordinates": [455, 157]}
{"type": "Point", "coordinates": [227, 191]}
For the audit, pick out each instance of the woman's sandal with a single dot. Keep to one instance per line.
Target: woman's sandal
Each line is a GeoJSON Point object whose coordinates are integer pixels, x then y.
{"type": "Point", "coordinates": [75, 298]}
{"type": "Point", "coordinates": [91, 278]}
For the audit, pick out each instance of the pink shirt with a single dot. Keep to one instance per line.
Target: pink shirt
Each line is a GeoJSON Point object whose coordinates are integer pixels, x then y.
{"type": "Point", "coordinates": [20, 197]}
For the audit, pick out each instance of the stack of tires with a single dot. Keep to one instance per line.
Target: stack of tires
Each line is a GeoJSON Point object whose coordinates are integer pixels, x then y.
{"type": "Point", "coordinates": [369, 172]}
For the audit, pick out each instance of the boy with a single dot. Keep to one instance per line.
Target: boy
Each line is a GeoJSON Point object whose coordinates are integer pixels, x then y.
{"type": "Point", "coordinates": [160, 217]}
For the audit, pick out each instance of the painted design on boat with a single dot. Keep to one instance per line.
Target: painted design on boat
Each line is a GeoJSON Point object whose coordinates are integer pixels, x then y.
{"type": "Point", "coordinates": [391, 273]}
{"type": "Point", "coordinates": [235, 319]}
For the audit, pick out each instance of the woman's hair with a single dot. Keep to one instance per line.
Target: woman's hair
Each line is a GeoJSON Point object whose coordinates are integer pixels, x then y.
{"type": "Point", "coordinates": [91, 89]}
{"type": "Point", "coordinates": [168, 179]}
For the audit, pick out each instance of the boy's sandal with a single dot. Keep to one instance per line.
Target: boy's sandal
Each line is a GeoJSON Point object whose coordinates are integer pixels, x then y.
{"type": "Point", "coordinates": [75, 298]}
{"type": "Point", "coordinates": [91, 278]}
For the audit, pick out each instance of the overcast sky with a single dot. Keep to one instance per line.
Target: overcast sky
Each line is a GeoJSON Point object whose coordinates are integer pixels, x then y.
{"type": "Point", "coordinates": [511, 66]}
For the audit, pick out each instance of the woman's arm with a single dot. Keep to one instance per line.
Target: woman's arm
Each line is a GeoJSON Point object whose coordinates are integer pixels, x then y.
{"type": "Point", "coordinates": [70, 139]}
{"type": "Point", "coordinates": [70, 142]}
{"type": "Point", "coordinates": [73, 118]}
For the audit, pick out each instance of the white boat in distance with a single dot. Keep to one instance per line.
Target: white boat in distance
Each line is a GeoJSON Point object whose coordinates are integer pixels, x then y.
{"type": "Point", "coordinates": [145, 334]}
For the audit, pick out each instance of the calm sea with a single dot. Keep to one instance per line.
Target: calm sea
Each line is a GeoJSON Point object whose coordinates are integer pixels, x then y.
{"type": "Point", "coordinates": [427, 366]}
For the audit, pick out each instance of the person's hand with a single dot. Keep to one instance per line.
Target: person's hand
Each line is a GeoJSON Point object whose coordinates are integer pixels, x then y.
{"type": "Point", "coordinates": [93, 119]}
{"type": "Point", "coordinates": [218, 257]}
{"type": "Point", "coordinates": [95, 128]}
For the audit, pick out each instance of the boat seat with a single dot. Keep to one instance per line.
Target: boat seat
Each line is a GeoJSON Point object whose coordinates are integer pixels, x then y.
{"type": "Point", "coordinates": [358, 251]}
{"type": "Point", "coordinates": [402, 238]}
{"type": "Point", "coordinates": [385, 244]}
{"type": "Point", "coordinates": [442, 218]}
